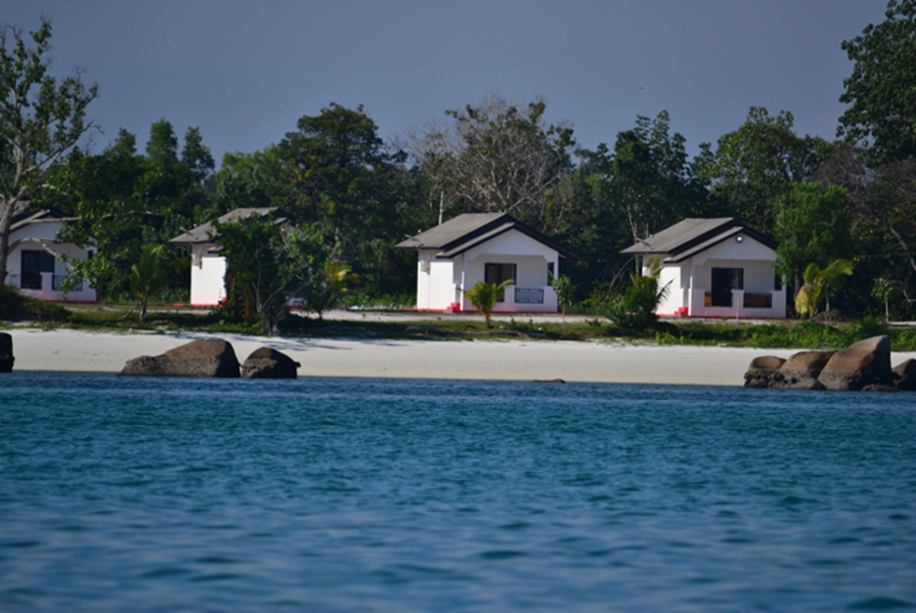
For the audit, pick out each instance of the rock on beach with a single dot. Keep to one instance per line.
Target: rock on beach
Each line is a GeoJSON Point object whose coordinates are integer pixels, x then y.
{"type": "Point", "coordinates": [268, 363]}
{"type": "Point", "coordinates": [863, 366]}
{"type": "Point", "coordinates": [6, 352]}
{"type": "Point", "coordinates": [801, 370]}
{"type": "Point", "coordinates": [905, 376]}
{"type": "Point", "coordinates": [762, 371]}
{"type": "Point", "coordinates": [200, 358]}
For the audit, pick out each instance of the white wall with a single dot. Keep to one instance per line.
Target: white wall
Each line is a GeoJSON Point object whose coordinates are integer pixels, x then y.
{"type": "Point", "coordinates": [755, 259]}
{"type": "Point", "coordinates": [47, 231]}
{"type": "Point", "coordinates": [446, 280]}
{"type": "Point", "coordinates": [435, 281]}
{"type": "Point", "coordinates": [208, 276]}
{"type": "Point", "coordinates": [529, 256]}
{"type": "Point", "coordinates": [677, 294]}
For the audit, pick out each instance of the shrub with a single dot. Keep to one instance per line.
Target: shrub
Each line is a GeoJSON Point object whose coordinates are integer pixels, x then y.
{"type": "Point", "coordinates": [16, 307]}
{"type": "Point", "coordinates": [635, 309]}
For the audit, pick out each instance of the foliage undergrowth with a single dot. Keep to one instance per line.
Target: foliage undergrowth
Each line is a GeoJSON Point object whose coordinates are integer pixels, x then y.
{"type": "Point", "coordinates": [776, 334]}
{"type": "Point", "coordinates": [17, 307]}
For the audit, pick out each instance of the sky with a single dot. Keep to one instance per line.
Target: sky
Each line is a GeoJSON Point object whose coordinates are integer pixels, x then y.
{"type": "Point", "coordinates": [244, 72]}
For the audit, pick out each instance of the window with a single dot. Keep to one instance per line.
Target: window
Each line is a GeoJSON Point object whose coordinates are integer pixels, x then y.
{"type": "Point", "coordinates": [499, 273]}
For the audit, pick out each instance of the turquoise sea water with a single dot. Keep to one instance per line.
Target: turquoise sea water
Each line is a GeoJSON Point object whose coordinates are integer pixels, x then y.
{"type": "Point", "coordinates": [408, 495]}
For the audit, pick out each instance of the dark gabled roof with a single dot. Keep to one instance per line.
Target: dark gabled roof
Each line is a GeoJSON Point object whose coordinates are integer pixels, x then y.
{"type": "Point", "coordinates": [691, 236]}
{"type": "Point", "coordinates": [464, 232]}
{"type": "Point", "coordinates": [205, 233]}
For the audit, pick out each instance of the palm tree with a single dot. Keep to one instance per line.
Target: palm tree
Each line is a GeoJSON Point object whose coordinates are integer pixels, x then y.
{"type": "Point", "coordinates": [817, 280]}
{"type": "Point", "coordinates": [484, 295]}
{"type": "Point", "coordinates": [884, 291]}
{"type": "Point", "coordinates": [328, 287]}
{"type": "Point", "coordinates": [635, 309]}
{"type": "Point", "coordinates": [148, 275]}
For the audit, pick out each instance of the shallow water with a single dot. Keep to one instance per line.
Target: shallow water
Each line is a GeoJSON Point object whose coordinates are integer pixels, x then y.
{"type": "Point", "coordinates": [412, 495]}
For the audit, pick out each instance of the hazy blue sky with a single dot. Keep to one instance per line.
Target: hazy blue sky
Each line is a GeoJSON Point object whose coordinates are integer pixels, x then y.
{"type": "Point", "coordinates": [244, 72]}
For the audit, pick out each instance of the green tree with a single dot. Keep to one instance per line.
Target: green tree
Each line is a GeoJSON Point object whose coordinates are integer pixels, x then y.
{"type": "Point", "coordinates": [196, 156]}
{"type": "Point", "coordinates": [497, 156]}
{"type": "Point", "coordinates": [566, 291]}
{"type": "Point", "coordinates": [149, 274]}
{"type": "Point", "coordinates": [757, 164]}
{"type": "Point", "coordinates": [356, 190]}
{"type": "Point", "coordinates": [41, 119]}
{"type": "Point", "coordinates": [884, 291]}
{"type": "Point", "coordinates": [271, 262]}
{"type": "Point", "coordinates": [566, 294]}
{"type": "Point", "coordinates": [122, 201]}
{"type": "Point", "coordinates": [882, 203]}
{"type": "Point", "coordinates": [648, 177]}
{"type": "Point", "coordinates": [812, 225]}
{"type": "Point", "coordinates": [483, 297]}
{"type": "Point", "coordinates": [817, 281]}
{"type": "Point", "coordinates": [881, 90]}
{"type": "Point", "coordinates": [162, 147]}
{"type": "Point", "coordinates": [254, 180]}
{"type": "Point", "coordinates": [327, 287]}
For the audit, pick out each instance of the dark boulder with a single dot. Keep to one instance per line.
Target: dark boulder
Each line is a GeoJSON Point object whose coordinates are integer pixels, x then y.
{"type": "Point", "coordinates": [801, 370]}
{"type": "Point", "coordinates": [866, 363]}
{"type": "Point", "coordinates": [6, 352]}
{"type": "Point", "coordinates": [201, 358]}
{"type": "Point", "coordinates": [905, 376]}
{"type": "Point", "coordinates": [763, 372]}
{"type": "Point", "coordinates": [267, 363]}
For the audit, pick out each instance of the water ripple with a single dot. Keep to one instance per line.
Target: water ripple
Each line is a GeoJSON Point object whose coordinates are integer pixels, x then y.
{"type": "Point", "coordinates": [377, 495]}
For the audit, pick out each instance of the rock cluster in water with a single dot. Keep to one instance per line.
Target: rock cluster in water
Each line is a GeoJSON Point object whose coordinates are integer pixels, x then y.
{"type": "Point", "coordinates": [863, 366]}
{"type": "Point", "coordinates": [212, 358]}
{"type": "Point", "coordinates": [6, 352]}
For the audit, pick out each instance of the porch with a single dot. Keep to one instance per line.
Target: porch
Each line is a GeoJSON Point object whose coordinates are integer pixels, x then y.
{"type": "Point", "coordinates": [517, 300]}
{"type": "Point", "coordinates": [736, 304]}
{"type": "Point", "coordinates": [48, 286]}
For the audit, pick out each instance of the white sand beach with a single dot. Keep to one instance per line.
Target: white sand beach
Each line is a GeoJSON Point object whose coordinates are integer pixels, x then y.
{"type": "Point", "coordinates": [68, 350]}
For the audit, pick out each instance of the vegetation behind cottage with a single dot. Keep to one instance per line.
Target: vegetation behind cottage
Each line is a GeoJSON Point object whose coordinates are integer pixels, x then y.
{"type": "Point", "coordinates": [852, 199]}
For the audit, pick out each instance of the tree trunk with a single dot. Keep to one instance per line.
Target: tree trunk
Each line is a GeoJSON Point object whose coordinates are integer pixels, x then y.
{"type": "Point", "coordinates": [6, 221]}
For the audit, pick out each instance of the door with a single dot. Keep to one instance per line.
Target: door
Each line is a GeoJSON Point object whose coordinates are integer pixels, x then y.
{"type": "Point", "coordinates": [33, 263]}
{"type": "Point", "coordinates": [724, 280]}
{"type": "Point", "coordinates": [499, 273]}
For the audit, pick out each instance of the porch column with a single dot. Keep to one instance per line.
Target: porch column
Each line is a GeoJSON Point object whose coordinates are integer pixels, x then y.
{"type": "Point", "coordinates": [464, 278]}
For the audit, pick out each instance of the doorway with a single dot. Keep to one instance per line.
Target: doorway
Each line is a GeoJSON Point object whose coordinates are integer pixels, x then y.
{"type": "Point", "coordinates": [724, 280]}
{"type": "Point", "coordinates": [499, 273]}
{"type": "Point", "coordinates": [32, 264]}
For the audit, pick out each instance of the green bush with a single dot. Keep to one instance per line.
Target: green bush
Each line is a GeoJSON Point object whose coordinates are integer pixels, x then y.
{"type": "Point", "coordinates": [635, 309]}
{"type": "Point", "coordinates": [16, 307]}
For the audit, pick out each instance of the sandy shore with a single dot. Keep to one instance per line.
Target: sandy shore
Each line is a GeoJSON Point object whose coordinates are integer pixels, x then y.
{"type": "Point", "coordinates": [67, 350]}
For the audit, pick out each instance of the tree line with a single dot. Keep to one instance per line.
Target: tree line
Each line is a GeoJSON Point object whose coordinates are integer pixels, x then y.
{"type": "Point", "coordinates": [352, 196]}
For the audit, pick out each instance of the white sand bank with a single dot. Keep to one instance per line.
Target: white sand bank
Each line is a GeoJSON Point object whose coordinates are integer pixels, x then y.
{"type": "Point", "coordinates": [69, 350]}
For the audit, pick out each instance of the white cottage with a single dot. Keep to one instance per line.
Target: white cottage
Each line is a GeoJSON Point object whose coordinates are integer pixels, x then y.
{"type": "Point", "coordinates": [715, 268]}
{"type": "Point", "coordinates": [208, 267]}
{"type": "Point", "coordinates": [35, 264]}
{"type": "Point", "coordinates": [492, 247]}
